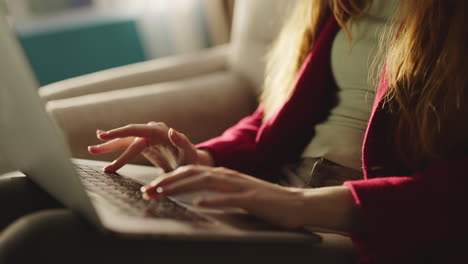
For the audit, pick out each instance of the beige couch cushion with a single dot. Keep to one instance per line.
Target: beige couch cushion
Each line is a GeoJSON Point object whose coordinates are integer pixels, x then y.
{"type": "Point", "coordinates": [202, 106]}
{"type": "Point", "coordinates": [139, 74]}
{"type": "Point", "coordinates": [256, 25]}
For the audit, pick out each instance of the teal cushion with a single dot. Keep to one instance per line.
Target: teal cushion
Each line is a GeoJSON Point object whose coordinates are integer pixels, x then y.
{"type": "Point", "coordinates": [67, 51]}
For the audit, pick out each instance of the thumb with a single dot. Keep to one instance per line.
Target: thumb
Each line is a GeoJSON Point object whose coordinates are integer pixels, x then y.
{"type": "Point", "coordinates": [188, 150]}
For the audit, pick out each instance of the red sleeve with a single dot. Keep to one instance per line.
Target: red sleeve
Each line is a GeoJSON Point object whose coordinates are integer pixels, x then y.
{"type": "Point", "coordinates": [236, 147]}
{"type": "Point", "coordinates": [404, 215]}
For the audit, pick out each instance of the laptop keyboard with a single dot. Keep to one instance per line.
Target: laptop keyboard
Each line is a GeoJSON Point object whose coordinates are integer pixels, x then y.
{"type": "Point", "coordinates": [125, 194]}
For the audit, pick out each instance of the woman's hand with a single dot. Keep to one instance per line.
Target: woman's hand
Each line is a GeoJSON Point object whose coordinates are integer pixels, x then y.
{"type": "Point", "coordinates": [270, 202]}
{"type": "Point", "coordinates": [162, 146]}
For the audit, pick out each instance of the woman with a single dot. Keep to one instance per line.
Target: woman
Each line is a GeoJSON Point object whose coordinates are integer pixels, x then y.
{"type": "Point", "coordinates": [408, 207]}
{"type": "Point", "coordinates": [413, 150]}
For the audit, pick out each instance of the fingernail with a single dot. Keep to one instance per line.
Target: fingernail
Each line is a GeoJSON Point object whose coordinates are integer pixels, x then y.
{"type": "Point", "coordinates": [177, 133]}
{"type": "Point", "coordinates": [150, 192]}
{"type": "Point", "coordinates": [99, 131]}
{"type": "Point", "coordinates": [110, 167]}
{"type": "Point", "coordinates": [173, 132]}
{"type": "Point", "coordinates": [101, 134]}
{"type": "Point", "coordinates": [91, 149]}
{"type": "Point", "coordinates": [147, 193]}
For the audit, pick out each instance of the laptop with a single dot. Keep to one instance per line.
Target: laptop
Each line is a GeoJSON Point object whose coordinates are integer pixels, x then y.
{"type": "Point", "coordinates": [32, 143]}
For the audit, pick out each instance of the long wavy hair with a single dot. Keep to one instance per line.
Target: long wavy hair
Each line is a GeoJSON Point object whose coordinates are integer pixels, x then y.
{"type": "Point", "coordinates": [426, 68]}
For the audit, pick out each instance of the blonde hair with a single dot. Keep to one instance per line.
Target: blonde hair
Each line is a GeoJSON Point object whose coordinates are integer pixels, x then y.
{"type": "Point", "coordinates": [426, 71]}
{"type": "Point", "coordinates": [425, 66]}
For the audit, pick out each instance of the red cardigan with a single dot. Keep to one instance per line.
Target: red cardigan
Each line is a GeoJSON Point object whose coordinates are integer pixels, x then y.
{"type": "Point", "coordinates": [408, 216]}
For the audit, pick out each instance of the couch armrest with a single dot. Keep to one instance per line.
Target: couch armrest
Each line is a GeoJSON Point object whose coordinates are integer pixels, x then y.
{"type": "Point", "coordinates": [202, 107]}
{"type": "Point", "coordinates": [139, 74]}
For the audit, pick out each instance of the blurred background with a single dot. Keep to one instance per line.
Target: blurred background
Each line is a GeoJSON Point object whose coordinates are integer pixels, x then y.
{"type": "Point", "coordinates": [68, 38]}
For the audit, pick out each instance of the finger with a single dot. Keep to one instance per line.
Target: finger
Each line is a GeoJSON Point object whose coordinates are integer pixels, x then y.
{"type": "Point", "coordinates": [240, 200]}
{"type": "Point", "coordinates": [131, 152]}
{"type": "Point", "coordinates": [151, 190]}
{"type": "Point", "coordinates": [181, 141]}
{"type": "Point", "coordinates": [110, 146]}
{"type": "Point", "coordinates": [157, 158]}
{"type": "Point", "coordinates": [180, 173]}
{"type": "Point", "coordinates": [135, 130]}
{"type": "Point", "coordinates": [194, 178]}
{"type": "Point", "coordinates": [201, 182]}
{"type": "Point", "coordinates": [99, 132]}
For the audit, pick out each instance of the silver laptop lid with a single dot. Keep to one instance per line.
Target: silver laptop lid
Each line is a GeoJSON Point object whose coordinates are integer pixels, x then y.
{"type": "Point", "coordinates": [29, 140]}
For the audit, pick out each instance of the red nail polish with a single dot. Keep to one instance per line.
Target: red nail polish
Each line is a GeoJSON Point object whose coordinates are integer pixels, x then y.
{"type": "Point", "coordinates": [91, 149]}
{"type": "Point", "coordinates": [102, 134]}
{"type": "Point", "coordinates": [151, 192]}
{"type": "Point", "coordinates": [177, 133]}
{"type": "Point", "coordinates": [109, 168]}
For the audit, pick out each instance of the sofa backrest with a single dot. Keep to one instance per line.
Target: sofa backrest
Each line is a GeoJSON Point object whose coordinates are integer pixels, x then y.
{"type": "Point", "coordinates": [256, 23]}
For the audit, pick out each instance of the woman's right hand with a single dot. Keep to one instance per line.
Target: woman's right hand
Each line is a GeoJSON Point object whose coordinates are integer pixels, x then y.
{"type": "Point", "coordinates": [162, 146]}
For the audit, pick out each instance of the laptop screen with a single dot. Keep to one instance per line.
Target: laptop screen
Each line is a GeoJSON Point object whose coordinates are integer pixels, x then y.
{"type": "Point", "coordinates": [31, 142]}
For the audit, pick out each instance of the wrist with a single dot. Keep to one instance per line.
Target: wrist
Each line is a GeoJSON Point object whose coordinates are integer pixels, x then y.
{"type": "Point", "coordinates": [329, 207]}
{"type": "Point", "coordinates": [205, 158]}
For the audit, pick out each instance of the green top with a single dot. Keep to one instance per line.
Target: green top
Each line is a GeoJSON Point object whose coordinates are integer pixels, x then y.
{"type": "Point", "coordinates": [340, 137]}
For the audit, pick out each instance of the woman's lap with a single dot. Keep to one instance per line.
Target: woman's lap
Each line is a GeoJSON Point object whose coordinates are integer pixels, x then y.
{"type": "Point", "coordinates": [58, 236]}
{"type": "Point", "coordinates": [19, 196]}
{"type": "Point", "coordinates": [316, 173]}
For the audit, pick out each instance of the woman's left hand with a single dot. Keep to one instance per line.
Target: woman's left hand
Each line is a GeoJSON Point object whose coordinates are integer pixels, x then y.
{"type": "Point", "coordinates": [270, 202]}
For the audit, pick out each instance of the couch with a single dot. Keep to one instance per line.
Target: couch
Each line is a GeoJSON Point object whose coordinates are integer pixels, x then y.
{"type": "Point", "coordinates": [199, 94]}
